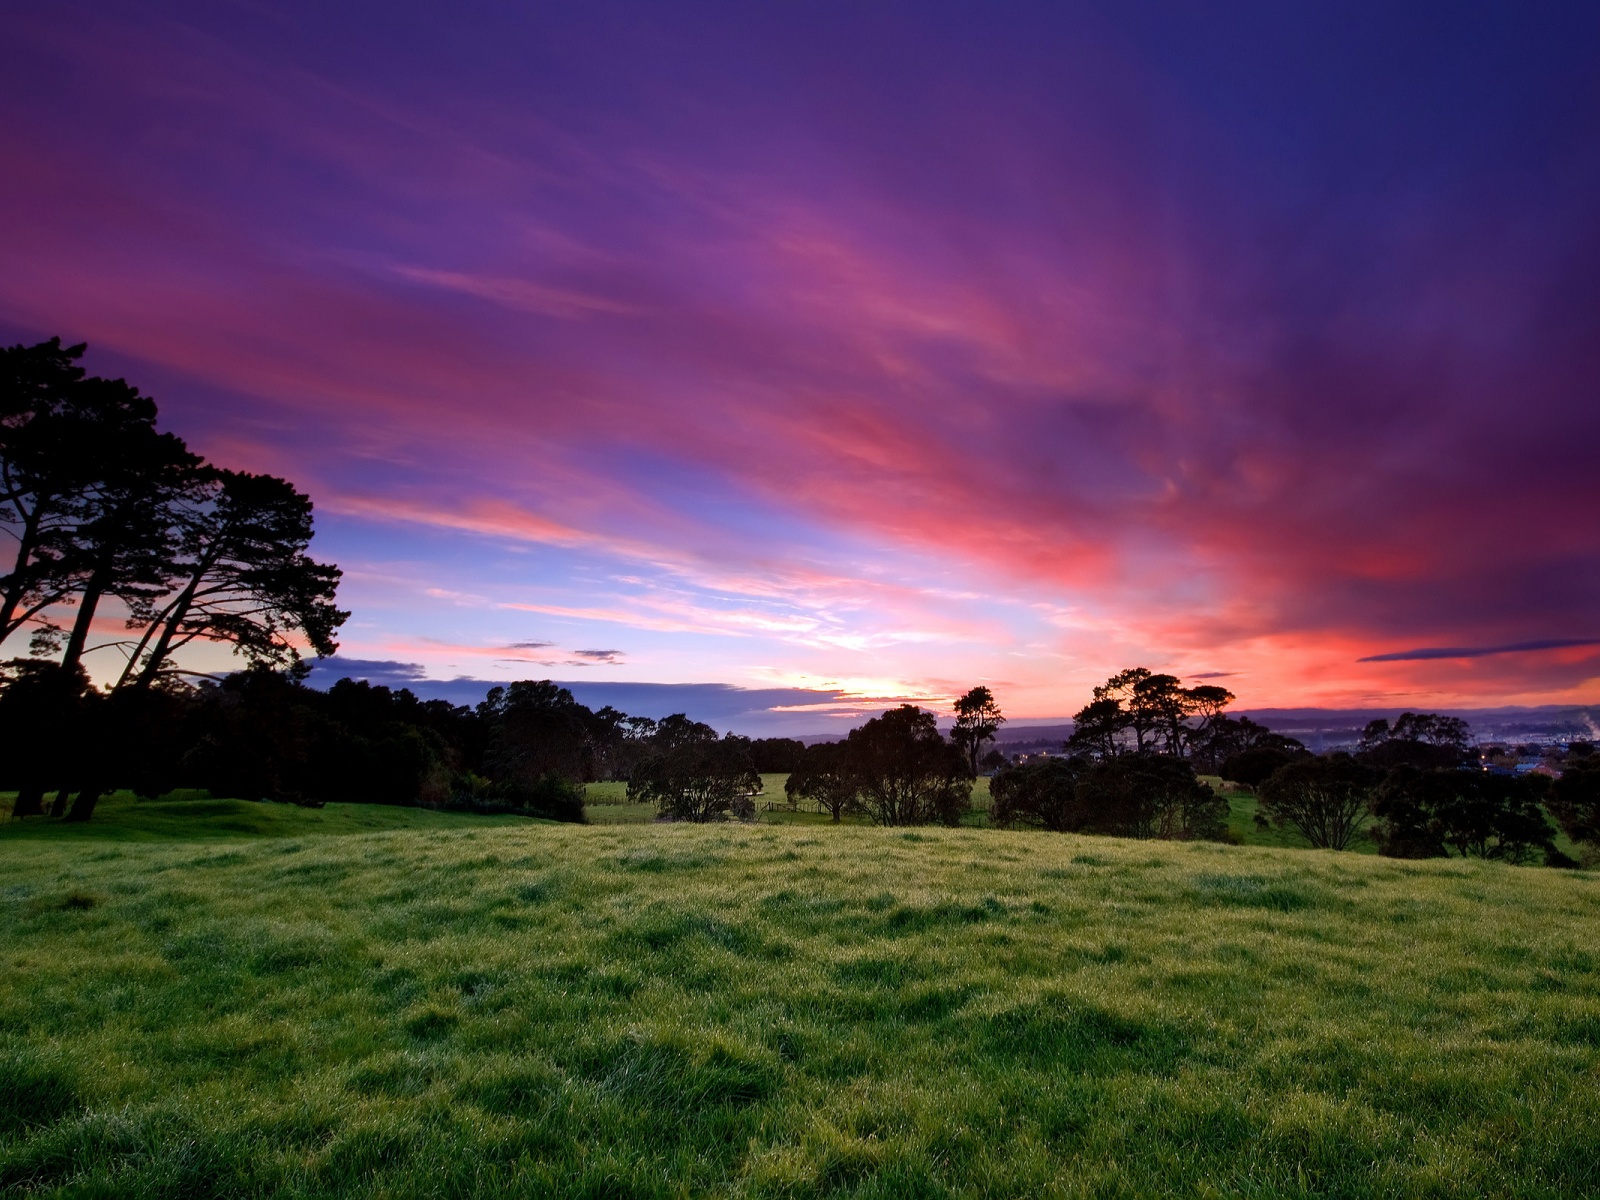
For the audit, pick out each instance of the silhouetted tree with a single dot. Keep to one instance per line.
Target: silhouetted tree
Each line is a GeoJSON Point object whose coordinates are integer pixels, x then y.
{"type": "Point", "coordinates": [39, 714]}
{"type": "Point", "coordinates": [823, 775]}
{"type": "Point", "coordinates": [978, 719]}
{"type": "Point", "coordinates": [906, 773]}
{"type": "Point", "coordinates": [242, 577]}
{"type": "Point", "coordinates": [1327, 799]}
{"type": "Point", "coordinates": [696, 779]}
{"type": "Point", "coordinates": [1428, 813]}
{"type": "Point", "coordinates": [776, 755]}
{"type": "Point", "coordinates": [1575, 799]}
{"type": "Point", "coordinates": [1422, 740]}
{"type": "Point", "coordinates": [1226, 739]}
{"type": "Point", "coordinates": [534, 729]}
{"type": "Point", "coordinates": [1254, 767]}
{"type": "Point", "coordinates": [1042, 794]}
{"type": "Point", "coordinates": [1149, 796]}
{"type": "Point", "coordinates": [1097, 727]}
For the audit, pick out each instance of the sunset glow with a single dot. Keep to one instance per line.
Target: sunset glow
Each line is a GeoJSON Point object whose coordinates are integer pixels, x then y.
{"type": "Point", "coordinates": [871, 353]}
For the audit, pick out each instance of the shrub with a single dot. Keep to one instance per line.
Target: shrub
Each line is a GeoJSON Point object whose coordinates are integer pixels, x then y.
{"type": "Point", "coordinates": [1150, 796]}
{"type": "Point", "coordinates": [1427, 814]}
{"type": "Point", "coordinates": [1255, 766]}
{"type": "Point", "coordinates": [1042, 794]}
{"type": "Point", "coordinates": [1575, 799]}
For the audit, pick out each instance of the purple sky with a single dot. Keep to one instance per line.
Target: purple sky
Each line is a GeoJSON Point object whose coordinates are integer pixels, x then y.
{"type": "Point", "coordinates": [863, 352]}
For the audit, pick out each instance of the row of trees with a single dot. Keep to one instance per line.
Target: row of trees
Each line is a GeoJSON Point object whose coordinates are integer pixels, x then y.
{"type": "Point", "coordinates": [261, 734]}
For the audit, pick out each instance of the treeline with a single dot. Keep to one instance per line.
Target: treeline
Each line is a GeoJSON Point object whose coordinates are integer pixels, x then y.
{"type": "Point", "coordinates": [1415, 787]}
{"type": "Point", "coordinates": [262, 735]}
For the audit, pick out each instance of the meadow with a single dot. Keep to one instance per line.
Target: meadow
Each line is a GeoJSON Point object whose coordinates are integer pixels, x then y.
{"type": "Point", "coordinates": [204, 997]}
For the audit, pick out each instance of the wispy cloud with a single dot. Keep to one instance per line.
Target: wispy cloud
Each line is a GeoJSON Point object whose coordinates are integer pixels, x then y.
{"type": "Point", "coordinates": [1432, 652]}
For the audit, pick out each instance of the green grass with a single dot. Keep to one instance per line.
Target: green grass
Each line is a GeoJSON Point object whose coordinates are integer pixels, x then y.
{"type": "Point", "coordinates": [462, 1007]}
{"type": "Point", "coordinates": [195, 816]}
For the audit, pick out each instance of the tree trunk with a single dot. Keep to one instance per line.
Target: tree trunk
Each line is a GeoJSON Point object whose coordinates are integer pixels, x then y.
{"type": "Point", "coordinates": [80, 627]}
{"type": "Point", "coordinates": [30, 802]}
{"type": "Point", "coordinates": [12, 598]}
{"type": "Point", "coordinates": [83, 806]}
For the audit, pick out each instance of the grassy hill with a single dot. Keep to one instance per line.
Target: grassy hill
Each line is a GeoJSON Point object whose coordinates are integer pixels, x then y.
{"type": "Point", "coordinates": [228, 1000]}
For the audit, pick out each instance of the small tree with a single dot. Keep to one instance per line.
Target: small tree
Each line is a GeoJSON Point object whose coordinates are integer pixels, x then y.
{"type": "Point", "coordinates": [978, 719]}
{"type": "Point", "coordinates": [698, 780]}
{"type": "Point", "coordinates": [823, 775]}
{"type": "Point", "coordinates": [1042, 794]}
{"type": "Point", "coordinates": [906, 773]}
{"type": "Point", "coordinates": [1327, 799]}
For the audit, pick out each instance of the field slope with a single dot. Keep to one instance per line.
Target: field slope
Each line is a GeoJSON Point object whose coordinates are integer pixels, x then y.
{"type": "Point", "coordinates": [471, 1008]}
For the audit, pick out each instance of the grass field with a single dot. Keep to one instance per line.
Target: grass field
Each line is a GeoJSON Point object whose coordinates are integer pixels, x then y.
{"type": "Point", "coordinates": [238, 999]}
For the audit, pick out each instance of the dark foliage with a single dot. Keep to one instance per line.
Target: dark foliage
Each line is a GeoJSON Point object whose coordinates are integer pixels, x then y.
{"type": "Point", "coordinates": [1428, 814]}
{"type": "Point", "coordinates": [1149, 796]}
{"type": "Point", "coordinates": [1255, 766]}
{"type": "Point", "coordinates": [698, 779]}
{"type": "Point", "coordinates": [1327, 799]}
{"type": "Point", "coordinates": [1042, 794]}
{"type": "Point", "coordinates": [1575, 799]}
{"type": "Point", "coordinates": [776, 756]}
{"type": "Point", "coordinates": [823, 775]}
{"type": "Point", "coordinates": [905, 772]}
{"type": "Point", "coordinates": [978, 719]}
{"type": "Point", "coordinates": [1425, 741]}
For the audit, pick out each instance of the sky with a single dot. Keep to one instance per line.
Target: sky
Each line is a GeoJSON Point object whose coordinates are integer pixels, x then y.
{"type": "Point", "coordinates": [823, 356]}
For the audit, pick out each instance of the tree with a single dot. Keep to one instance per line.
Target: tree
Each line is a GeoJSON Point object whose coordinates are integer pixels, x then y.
{"type": "Point", "coordinates": [534, 729]}
{"type": "Point", "coordinates": [1575, 799]}
{"type": "Point", "coordinates": [1426, 741]}
{"type": "Point", "coordinates": [1428, 813]}
{"type": "Point", "coordinates": [243, 577]}
{"type": "Point", "coordinates": [84, 484]}
{"type": "Point", "coordinates": [1096, 728]}
{"type": "Point", "coordinates": [1149, 796]}
{"type": "Point", "coordinates": [978, 719]}
{"type": "Point", "coordinates": [39, 706]}
{"type": "Point", "coordinates": [1042, 794]}
{"type": "Point", "coordinates": [823, 775]}
{"type": "Point", "coordinates": [1254, 767]}
{"type": "Point", "coordinates": [1326, 799]}
{"type": "Point", "coordinates": [776, 755]}
{"type": "Point", "coordinates": [1226, 738]}
{"type": "Point", "coordinates": [906, 773]}
{"type": "Point", "coordinates": [698, 780]}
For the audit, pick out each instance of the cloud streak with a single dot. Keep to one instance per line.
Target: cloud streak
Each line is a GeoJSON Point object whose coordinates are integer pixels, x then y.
{"type": "Point", "coordinates": [956, 348]}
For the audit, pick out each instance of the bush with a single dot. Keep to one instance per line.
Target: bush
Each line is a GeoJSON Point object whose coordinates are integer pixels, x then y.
{"type": "Point", "coordinates": [1149, 796]}
{"type": "Point", "coordinates": [1255, 766]}
{"type": "Point", "coordinates": [1427, 814]}
{"type": "Point", "coordinates": [1575, 799]}
{"type": "Point", "coordinates": [1042, 794]}
{"type": "Point", "coordinates": [552, 796]}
